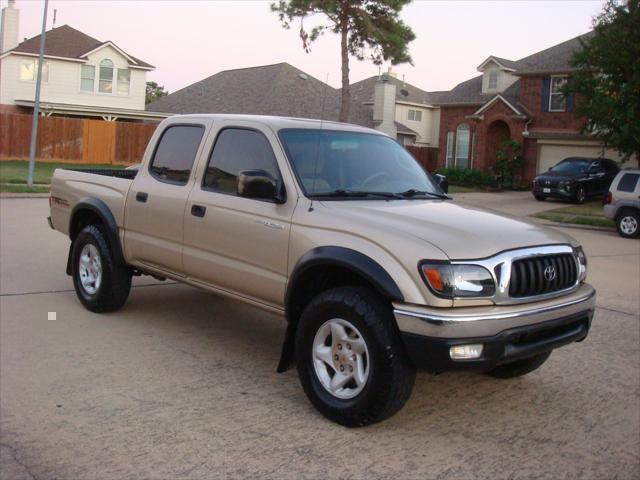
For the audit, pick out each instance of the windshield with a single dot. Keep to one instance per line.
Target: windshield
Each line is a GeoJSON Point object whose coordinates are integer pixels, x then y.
{"type": "Point", "coordinates": [342, 162]}
{"type": "Point", "coordinates": [571, 165]}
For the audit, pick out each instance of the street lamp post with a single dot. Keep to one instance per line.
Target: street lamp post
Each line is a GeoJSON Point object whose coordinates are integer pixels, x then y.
{"type": "Point", "coordinates": [36, 104]}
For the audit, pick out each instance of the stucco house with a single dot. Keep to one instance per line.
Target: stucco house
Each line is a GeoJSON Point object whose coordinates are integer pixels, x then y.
{"type": "Point", "coordinates": [81, 76]}
{"type": "Point", "coordinates": [414, 111]}
{"type": "Point", "coordinates": [521, 100]}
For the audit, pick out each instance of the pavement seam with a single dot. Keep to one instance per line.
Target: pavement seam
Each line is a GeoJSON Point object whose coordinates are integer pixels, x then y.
{"type": "Point", "coordinates": [72, 290]}
{"type": "Point", "coordinates": [617, 311]}
{"type": "Point", "coordinates": [14, 454]}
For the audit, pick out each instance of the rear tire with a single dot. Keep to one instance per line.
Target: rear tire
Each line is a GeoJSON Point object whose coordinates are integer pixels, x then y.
{"type": "Point", "coordinates": [381, 382]}
{"type": "Point", "coordinates": [101, 285]}
{"type": "Point", "coordinates": [540, 198]}
{"type": "Point", "coordinates": [519, 367]}
{"type": "Point", "coordinates": [628, 224]}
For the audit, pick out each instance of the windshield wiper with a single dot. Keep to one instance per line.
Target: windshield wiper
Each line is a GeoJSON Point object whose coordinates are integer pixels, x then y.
{"type": "Point", "coordinates": [412, 192]}
{"type": "Point", "coordinates": [355, 194]}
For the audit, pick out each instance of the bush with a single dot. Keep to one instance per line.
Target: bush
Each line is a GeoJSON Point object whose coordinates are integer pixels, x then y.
{"type": "Point", "coordinates": [467, 177]}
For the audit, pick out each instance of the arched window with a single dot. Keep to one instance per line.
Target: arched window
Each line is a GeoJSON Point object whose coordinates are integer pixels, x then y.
{"type": "Point", "coordinates": [106, 76]}
{"type": "Point", "coordinates": [463, 140]}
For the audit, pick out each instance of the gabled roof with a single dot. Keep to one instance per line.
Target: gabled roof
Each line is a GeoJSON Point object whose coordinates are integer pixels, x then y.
{"type": "Point", "coordinates": [555, 59]}
{"type": "Point", "coordinates": [67, 42]}
{"type": "Point", "coordinates": [280, 90]}
{"type": "Point", "coordinates": [503, 63]}
{"type": "Point", "coordinates": [363, 90]}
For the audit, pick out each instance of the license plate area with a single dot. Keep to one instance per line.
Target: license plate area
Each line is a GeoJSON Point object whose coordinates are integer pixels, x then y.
{"type": "Point", "coordinates": [546, 190]}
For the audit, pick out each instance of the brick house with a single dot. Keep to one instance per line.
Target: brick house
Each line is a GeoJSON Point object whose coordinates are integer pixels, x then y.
{"type": "Point", "coordinates": [521, 100]}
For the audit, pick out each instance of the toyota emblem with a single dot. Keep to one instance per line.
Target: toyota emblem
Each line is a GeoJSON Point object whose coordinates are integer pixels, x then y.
{"type": "Point", "coordinates": [550, 273]}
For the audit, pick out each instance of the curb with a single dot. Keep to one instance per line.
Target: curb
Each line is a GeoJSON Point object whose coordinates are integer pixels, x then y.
{"type": "Point", "coordinates": [549, 223]}
{"type": "Point", "coordinates": [23, 195]}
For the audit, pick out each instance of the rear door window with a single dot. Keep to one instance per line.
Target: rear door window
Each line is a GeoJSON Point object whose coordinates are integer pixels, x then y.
{"type": "Point", "coordinates": [628, 182]}
{"type": "Point", "coordinates": [175, 153]}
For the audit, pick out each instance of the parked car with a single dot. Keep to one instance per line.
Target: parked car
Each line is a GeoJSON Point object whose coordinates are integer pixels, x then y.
{"type": "Point", "coordinates": [622, 203]}
{"type": "Point", "coordinates": [576, 179]}
{"type": "Point", "coordinates": [338, 229]}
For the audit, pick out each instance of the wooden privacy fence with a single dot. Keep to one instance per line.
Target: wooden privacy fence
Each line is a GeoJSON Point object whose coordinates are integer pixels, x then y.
{"type": "Point", "coordinates": [74, 140]}
{"type": "Point", "coordinates": [426, 156]}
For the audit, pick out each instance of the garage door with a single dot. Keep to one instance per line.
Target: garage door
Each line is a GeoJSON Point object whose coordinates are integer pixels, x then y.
{"type": "Point", "coordinates": [549, 155]}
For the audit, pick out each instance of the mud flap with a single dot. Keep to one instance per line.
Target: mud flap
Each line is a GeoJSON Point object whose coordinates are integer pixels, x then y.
{"type": "Point", "coordinates": [287, 357]}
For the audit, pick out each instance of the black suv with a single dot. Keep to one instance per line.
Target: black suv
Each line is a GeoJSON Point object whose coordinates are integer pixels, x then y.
{"type": "Point", "coordinates": [575, 178]}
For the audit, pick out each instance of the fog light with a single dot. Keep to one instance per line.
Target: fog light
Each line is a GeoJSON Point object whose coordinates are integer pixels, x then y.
{"type": "Point", "coordinates": [465, 352]}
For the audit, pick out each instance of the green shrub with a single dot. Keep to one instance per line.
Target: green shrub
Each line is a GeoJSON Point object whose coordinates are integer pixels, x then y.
{"type": "Point", "coordinates": [467, 177]}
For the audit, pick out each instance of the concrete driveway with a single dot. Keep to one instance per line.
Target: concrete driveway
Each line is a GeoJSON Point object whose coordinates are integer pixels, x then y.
{"type": "Point", "coordinates": [182, 384]}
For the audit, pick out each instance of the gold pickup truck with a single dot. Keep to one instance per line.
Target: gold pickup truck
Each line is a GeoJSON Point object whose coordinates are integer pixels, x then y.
{"type": "Point", "coordinates": [336, 227]}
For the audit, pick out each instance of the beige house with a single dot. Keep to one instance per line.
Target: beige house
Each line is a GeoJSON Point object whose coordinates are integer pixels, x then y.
{"type": "Point", "coordinates": [81, 76]}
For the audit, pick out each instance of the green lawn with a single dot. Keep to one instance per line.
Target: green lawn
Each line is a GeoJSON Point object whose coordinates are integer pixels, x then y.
{"type": "Point", "coordinates": [13, 175]}
{"type": "Point", "coordinates": [589, 213]}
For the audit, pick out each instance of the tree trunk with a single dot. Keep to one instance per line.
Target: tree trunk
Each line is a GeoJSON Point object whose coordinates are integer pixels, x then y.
{"type": "Point", "coordinates": [346, 95]}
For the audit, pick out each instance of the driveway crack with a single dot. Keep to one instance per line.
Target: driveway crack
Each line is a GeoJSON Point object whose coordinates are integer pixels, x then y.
{"type": "Point", "coordinates": [14, 454]}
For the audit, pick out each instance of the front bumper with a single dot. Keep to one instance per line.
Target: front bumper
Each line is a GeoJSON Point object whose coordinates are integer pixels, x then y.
{"type": "Point", "coordinates": [507, 333]}
{"type": "Point", "coordinates": [553, 192]}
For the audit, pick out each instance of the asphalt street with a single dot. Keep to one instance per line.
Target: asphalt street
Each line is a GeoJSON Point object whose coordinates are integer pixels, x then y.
{"type": "Point", "coordinates": [182, 384]}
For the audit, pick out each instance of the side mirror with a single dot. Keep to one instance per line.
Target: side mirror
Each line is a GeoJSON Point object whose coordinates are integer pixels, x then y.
{"type": "Point", "coordinates": [442, 182]}
{"type": "Point", "coordinates": [258, 184]}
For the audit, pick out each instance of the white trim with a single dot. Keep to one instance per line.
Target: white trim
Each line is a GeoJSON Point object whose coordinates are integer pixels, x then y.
{"type": "Point", "coordinates": [493, 59]}
{"type": "Point", "coordinates": [52, 57]}
{"type": "Point", "coordinates": [551, 77]}
{"type": "Point", "coordinates": [109, 43]}
{"type": "Point", "coordinates": [492, 101]}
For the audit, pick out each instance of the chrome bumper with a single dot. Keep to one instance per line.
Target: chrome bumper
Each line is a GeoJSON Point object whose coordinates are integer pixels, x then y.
{"type": "Point", "coordinates": [463, 322]}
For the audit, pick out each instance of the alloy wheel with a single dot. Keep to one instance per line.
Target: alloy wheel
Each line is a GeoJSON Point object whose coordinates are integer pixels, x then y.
{"type": "Point", "coordinates": [90, 269]}
{"type": "Point", "coordinates": [341, 358]}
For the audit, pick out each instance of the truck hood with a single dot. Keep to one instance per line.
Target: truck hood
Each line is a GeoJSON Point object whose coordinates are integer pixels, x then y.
{"type": "Point", "coordinates": [460, 230]}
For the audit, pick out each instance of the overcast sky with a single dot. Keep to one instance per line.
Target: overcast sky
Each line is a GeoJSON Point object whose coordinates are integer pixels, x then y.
{"type": "Point", "coordinates": [190, 40]}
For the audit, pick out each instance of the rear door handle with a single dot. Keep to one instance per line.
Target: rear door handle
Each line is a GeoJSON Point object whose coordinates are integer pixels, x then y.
{"type": "Point", "coordinates": [198, 210]}
{"type": "Point", "coordinates": [142, 197]}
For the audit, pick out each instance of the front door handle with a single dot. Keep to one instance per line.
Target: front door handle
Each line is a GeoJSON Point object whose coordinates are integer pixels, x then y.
{"type": "Point", "coordinates": [198, 210]}
{"type": "Point", "coordinates": [142, 197]}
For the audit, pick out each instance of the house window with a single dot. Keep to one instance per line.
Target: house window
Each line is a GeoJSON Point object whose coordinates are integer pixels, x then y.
{"type": "Point", "coordinates": [124, 79]}
{"type": "Point", "coordinates": [29, 70]}
{"type": "Point", "coordinates": [449, 159]}
{"type": "Point", "coordinates": [415, 115]}
{"type": "Point", "coordinates": [493, 80]}
{"type": "Point", "coordinates": [463, 137]}
{"type": "Point", "coordinates": [106, 76]}
{"type": "Point", "coordinates": [87, 78]}
{"type": "Point", "coordinates": [557, 98]}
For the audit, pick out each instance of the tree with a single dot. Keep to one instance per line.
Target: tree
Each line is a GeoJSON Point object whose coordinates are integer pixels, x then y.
{"type": "Point", "coordinates": [608, 78]}
{"type": "Point", "coordinates": [367, 28]}
{"type": "Point", "coordinates": [154, 92]}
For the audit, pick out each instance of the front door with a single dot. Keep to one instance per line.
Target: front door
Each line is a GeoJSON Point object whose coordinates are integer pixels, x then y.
{"type": "Point", "coordinates": [234, 243]}
{"type": "Point", "coordinates": [157, 198]}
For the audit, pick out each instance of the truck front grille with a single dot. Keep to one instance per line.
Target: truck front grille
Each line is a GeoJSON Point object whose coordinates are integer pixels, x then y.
{"type": "Point", "coordinates": [542, 274]}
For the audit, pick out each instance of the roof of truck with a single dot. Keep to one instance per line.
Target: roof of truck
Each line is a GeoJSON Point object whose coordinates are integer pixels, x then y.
{"type": "Point", "coordinates": [278, 123]}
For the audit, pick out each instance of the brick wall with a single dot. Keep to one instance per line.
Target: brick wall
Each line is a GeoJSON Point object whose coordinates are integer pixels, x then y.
{"type": "Point", "coordinates": [531, 98]}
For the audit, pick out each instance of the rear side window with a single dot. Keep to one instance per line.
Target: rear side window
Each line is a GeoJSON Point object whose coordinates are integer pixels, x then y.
{"type": "Point", "coordinates": [628, 182]}
{"type": "Point", "coordinates": [176, 151]}
{"type": "Point", "coordinates": [236, 150]}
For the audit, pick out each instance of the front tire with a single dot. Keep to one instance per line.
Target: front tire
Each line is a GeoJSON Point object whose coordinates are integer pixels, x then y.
{"type": "Point", "coordinates": [540, 198]}
{"type": "Point", "coordinates": [628, 224]}
{"type": "Point", "coordinates": [101, 285]}
{"type": "Point", "coordinates": [580, 196]}
{"type": "Point", "coordinates": [519, 367]}
{"type": "Point", "coordinates": [350, 359]}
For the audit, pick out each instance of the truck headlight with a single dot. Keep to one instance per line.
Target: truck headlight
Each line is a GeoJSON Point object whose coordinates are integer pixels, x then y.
{"type": "Point", "coordinates": [582, 262]}
{"type": "Point", "coordinates": [449, 281]}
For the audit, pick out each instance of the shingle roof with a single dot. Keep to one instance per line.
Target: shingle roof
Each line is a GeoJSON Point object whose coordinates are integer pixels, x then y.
{"type": "Point", "coordinates": [67, 42]}
{"type": "Point", "coordinates": [280, 90]}
{"type": "Point", "coordinates": [555, 59]}
{"type": "Point", "coordinates": [363, 90]}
